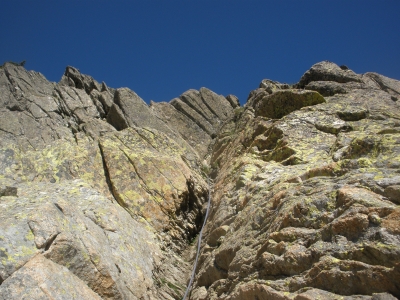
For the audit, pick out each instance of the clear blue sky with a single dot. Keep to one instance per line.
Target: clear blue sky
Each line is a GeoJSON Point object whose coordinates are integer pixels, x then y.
{"type": "Point", "coordinates": [160, 49]}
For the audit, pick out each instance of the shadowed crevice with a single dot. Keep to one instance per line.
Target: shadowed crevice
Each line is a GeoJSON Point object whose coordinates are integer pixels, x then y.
{"type": "Point", "coordinates": [50, 242]}
{"type": "Point", "coordinates": [191, 205]}
{"type": "Point", "coordinates": [59, 207]}
{"type": "Point", "coordinates": [107, 175]}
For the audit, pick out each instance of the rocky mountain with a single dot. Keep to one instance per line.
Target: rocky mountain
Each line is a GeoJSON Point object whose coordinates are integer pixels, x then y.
{"type": "Point", "coordinates": [103, 196]}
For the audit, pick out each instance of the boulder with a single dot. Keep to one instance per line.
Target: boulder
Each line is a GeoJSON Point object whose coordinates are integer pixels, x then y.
{"type": "Point", "coordinates": [233, 100]}
{"type": "Point", "coordinates": [328, 71]}
{"type": "Point", "coordinates": [41, 278]}
{"type": "Point", "coordinates": [281, 103]}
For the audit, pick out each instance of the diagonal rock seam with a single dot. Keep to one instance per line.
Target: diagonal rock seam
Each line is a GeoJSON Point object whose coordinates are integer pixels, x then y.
{"type": "Point", "coordinates": [107, 174]}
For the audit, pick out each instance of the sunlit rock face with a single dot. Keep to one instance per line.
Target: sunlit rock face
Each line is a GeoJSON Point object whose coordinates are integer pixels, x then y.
{"type": "Point", "coordinates": [102, 196]}
{"type": "Point", "coordinates": [305, 199]}
{"type": "Point", "coordinates": [97, 186]}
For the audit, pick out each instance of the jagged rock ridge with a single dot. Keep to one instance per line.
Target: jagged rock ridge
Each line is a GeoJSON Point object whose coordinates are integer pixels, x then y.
{"type": "Point", "coordinates": [75, 158]}
{"type": "Point", "coordinates": [109, 193]}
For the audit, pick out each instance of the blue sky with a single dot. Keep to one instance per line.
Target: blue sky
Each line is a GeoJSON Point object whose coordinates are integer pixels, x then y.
{"type": "Point", "coordinates": [160, 49]}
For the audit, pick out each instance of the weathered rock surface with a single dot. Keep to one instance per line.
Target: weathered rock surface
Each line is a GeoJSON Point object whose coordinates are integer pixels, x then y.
{"type": "Point", "coordinates": [41, 278]}
{"type": "Point", "coordinates": [143, 187]}
{"type": "Point", "coordinates": [50, 225]}
{"type": "Point", "coordinates": [197, 116]}
{"type": "Point", "coordinates": [328, 71]}
{"type": "Point", "coordinates": [102, 196]}
{"type": "Point", "coordinates": [306, 189]}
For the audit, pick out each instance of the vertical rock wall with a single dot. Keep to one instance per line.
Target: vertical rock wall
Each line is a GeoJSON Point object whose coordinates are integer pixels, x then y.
{"type": "Point", "coordinates": [102, 196]}
{"type": "Point", "coordinates": [304, 201]}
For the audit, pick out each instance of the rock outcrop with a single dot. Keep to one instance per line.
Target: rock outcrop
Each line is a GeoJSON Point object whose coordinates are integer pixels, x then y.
{"type": "Point", "coordinates": [197, 116]}
{"type": "Point", "coordinates": [305, 192]}
{"type": "Point", "coordinates": [92, 180]}
{"type": "Point", "coordinates": [102, 196]}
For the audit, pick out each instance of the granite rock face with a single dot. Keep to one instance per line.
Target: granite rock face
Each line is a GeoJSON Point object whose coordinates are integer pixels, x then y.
{"type": "Point", "coordinates": [94, 181]}
{"type": "Point", "coordinates": [73, 231]}
{"type": "Point", "coordinates": [306, 190]}
{"type": "Point", "coordinates": [102, 196]}
{"type": "Point", "coordinates": [197, 116]}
